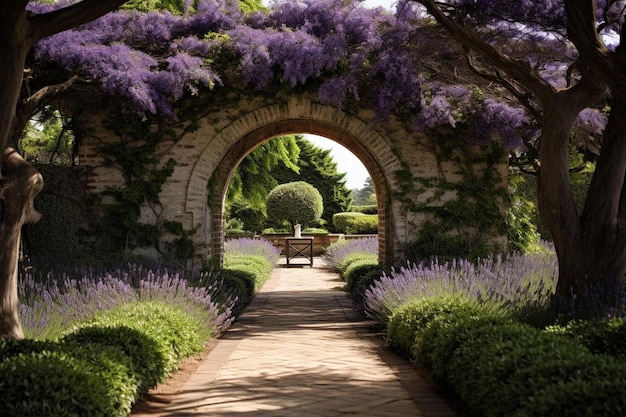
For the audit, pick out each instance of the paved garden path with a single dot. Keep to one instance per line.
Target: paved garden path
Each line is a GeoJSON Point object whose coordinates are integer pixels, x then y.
{"type": "Point", "coordinates": [300, 349]}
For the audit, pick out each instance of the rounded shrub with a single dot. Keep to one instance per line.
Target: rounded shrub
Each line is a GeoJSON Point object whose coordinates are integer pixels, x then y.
{"type": "Point", "coordinates": [479, 369]}
{"type": "Point", "coordinates": [366, 224]}
{"type": "Point", "coordinates": [13, 347]}
{"type": "Point", "coordinates": [247, 274]}
{"type": "Point", "coordinates": [411, 319]}
{"type": "Point", "coordinates": [154, 335]}
{"type": "Point", "coordinates": [117, 384]}
{"type": "Point", "coordinates": [599, 335]}
{"type": "Point", "coordinates": [402, 326]}
{"type": "Point", "coordinates": [356, 257]}
{"type": "Point", "coordinates": [114, 368]}
{"type": "Point", "coordinates": [357, 269]}
{"type": "Point", "coordinates": [555, 365]}
{"type": "Point", "coordinates": [52, 383]}
{"type": "Point", "coordinates": [596, 388]}
{"type": "Point", "coordinates": [365, 281]}
{"type": "Point", "coordinates": [148, 362]}
{"type": "Point", "coordinates": [240, 281]}
{"type": "Point", "coordinates": [342, 220]}
{"type": "Point", "coordinates": [439, 339]}
{"type": "Point", "coordinates": [356, 223]}
{"type": "Point", "coordinates": [257, 266]}
{"type": "Point", "coordinates": [296, 202]}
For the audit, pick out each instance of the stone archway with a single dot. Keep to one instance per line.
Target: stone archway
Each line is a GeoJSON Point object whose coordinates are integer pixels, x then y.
{"type": "Point", "coordinates": [223, 153]}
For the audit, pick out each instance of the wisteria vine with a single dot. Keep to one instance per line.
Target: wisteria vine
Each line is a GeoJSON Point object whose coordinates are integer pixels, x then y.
{"type": "Point", "coordinates": [347, 52]}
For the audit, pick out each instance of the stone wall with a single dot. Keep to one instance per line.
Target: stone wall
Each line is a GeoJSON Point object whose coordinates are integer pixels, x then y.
{"type": "Point", "coordinates": [207, 155]}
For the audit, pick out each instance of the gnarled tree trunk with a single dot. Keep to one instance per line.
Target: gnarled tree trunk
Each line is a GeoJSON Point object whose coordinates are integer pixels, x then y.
{"type": "Point", "coordinates": [19, 181]}
{"type": "Point", "coordinates": [19, 185]}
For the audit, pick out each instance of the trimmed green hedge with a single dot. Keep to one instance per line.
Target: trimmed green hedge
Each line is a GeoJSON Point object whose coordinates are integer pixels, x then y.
{"type": "Point", "coordinates": [55, 384]}
{"type": "Point", "coordinates": [356, 223]}
{"type": "Point", "coordinates": [367, 209]}
{"type": "Point", "coordinates": [355, 270]}
{"type": "Point", "coordinates": [366, 280]}
{"type": "Point", "coordinates": [243, 275]}
{"type": "Point", "coordinates": [599, 336]}
{"type": "Point", "coordinates": [499, 367]}
{"type": "Point", "coordinates": [101, 367]}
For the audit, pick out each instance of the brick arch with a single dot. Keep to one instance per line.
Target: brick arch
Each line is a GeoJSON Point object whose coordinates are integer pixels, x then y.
{"type": "Point", "coordinates": [222, 153]}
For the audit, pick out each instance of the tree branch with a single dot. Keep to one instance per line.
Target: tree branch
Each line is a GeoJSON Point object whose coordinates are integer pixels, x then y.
{"type": "Point", "coordinates": [29, 106]}
{"type": "Point", "coordinates": [522, 96]}
{"type": "Point", "coordinates": [517, 69]}
{"type": "Point", "coordinates": [47, 24]}
{"type": "Point", "coordinates": [581, 30]}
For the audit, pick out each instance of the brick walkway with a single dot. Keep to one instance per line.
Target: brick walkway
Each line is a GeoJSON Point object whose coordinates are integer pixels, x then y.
{"type": "Point", "coordinates": [299, 349]}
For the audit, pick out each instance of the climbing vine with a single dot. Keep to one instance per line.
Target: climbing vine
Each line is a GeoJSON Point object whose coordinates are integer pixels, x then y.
{"type": "Point", "coordinates": [460, 217]}
{"type": "Point", "coordinates": [117, 223]}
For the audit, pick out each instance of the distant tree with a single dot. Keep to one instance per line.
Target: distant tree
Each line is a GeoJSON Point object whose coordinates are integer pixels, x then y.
{"type": "Point", "coordinates": [48, 139]}
{"type": "Point", "coordinates": [250, 218]}
{"type": "Point", "coordinates": [254, 178]}
{"type": "Point", "coordinates": [296, 202]}
{"type": "Point", "coordinates": [317, 167]}
{"type": "Point", "coordinates": [365, 195]}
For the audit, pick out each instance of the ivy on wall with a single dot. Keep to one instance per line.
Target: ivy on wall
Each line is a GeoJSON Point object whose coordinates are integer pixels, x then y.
{"type": "Point", "coordinates": [116, 224]}
{"type": "Point", "coordinates": [462, 215]}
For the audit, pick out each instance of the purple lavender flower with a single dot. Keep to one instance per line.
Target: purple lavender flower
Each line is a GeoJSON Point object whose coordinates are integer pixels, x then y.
{"type": "Point", "coordinates": [252, 247]}
{"type": "Point", "coordinates": [336, 253]}
{"type": "Point", "coordinates": [48, 309]}
{"type": "Point", "coordinates": [512, 283]}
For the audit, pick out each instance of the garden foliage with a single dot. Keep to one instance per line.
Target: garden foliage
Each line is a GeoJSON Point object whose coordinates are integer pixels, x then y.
{"type": "Point", "coordinates": [105, 339]}
{"type": "Point", "coordinates": [356, 260]}
{"type": "Point", "coordinates": [355, 223]}
{"type": "Point", "coordinates": [295, 202]}
{"type": "Point", "coordinates": [478, 329]}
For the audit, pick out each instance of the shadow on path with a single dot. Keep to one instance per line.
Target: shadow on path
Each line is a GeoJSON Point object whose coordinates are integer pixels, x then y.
{"type": "Point", "coordinates": [301, 349]}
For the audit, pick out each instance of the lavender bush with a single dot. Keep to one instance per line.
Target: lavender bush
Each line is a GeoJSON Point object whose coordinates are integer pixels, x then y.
{"type": "Point", "coordinates": [337, 252]}
{"type": "Point", "coordinates": [49, 308]}
{"type": "Point", "coordinates": [252, 247]}
{"type": "Point", "coordinates": [51, 305]}
{"type": "Point", "coordinates": [515, 283]}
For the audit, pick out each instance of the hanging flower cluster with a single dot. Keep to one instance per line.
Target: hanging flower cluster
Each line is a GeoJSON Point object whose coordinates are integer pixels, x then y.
{"type": "Point", "coordinates": [348, 52]}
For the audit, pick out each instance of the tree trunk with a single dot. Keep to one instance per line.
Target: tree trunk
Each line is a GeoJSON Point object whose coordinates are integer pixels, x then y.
{"type": "Point", "coordinates": [591, 247]}
{"type": "Point", "coordinates": [554, 192]}
{"type": "Point", "coordinates": [19, 185]}
{"type": "Point", "coordinates": [19, 181]}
